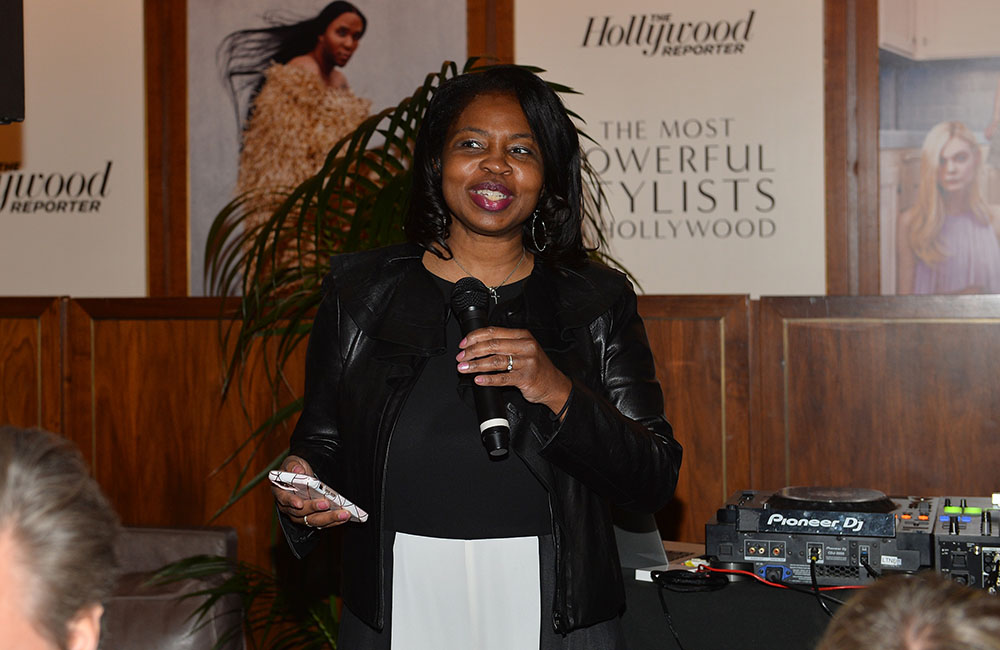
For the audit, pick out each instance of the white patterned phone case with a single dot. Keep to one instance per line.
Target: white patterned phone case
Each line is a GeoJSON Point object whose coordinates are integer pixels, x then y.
{"type": "Point", "coordinates": [309, 487]}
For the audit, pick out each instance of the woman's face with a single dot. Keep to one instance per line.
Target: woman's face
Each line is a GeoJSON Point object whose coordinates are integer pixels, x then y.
{"type": "Point", "coordinates": [341, 38]}
{"type": "Point", "coordinates": [491, 168]}
{"type": "Point", "coordinates": [956, 166]}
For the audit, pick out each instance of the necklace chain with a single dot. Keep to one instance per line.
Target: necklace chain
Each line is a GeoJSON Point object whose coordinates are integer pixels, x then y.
{"type": "Point", "coordinates": [493, 289]}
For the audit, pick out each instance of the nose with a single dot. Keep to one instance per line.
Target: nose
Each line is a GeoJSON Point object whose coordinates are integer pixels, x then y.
{"type": "Point", "coordinates": [495, 161]}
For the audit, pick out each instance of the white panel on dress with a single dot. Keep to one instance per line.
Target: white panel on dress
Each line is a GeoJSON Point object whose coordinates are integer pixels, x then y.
{"type": "Point", "coordinates": [481, 594]}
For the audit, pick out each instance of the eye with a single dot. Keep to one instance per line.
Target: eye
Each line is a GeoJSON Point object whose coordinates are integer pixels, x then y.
{"type": "Point", "coordinates": [521, 150]}
{"type": "Point", "coordinates": [470, 144]}
{"type": "Point", "coordinates": [961, 157]}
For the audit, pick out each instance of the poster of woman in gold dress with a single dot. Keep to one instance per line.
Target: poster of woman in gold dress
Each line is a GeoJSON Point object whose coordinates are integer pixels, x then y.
{"type": "Point", "coordinates": [379, 64]}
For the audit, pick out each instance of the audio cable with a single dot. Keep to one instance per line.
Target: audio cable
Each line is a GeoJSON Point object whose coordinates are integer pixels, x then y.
{"type": "Point", "coordinates": [684, 582]}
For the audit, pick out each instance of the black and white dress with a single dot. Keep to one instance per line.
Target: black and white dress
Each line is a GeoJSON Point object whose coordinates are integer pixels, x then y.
{"type": "Point", "coordinates": [471, 564]}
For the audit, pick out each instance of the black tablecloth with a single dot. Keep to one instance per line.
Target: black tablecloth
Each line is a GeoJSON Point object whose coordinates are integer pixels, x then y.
{"type": "Point", "coordinates": [742, 615]}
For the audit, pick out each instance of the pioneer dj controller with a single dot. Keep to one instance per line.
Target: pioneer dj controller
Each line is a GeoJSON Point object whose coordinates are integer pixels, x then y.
{"type": "Point", "coordinates": [851, 536]}
{"type": "Point", "coordinates": [837, 536]}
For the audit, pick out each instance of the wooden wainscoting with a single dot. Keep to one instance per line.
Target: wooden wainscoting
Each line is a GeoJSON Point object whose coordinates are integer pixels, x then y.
{"type": "Point", "coordinates": [146, 395]}
{"type": "Point", "coordinates": [30, 362]}
{"type": "Point", "coordinates": [898, 394]}
{"type": "Point", "coordinates": [702, 363]}
{"type": "Point", "coordinates": [893, 393]}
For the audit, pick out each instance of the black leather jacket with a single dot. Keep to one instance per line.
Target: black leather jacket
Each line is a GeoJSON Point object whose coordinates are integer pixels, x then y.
{"type": "Point", "coordinates": [380, 319]}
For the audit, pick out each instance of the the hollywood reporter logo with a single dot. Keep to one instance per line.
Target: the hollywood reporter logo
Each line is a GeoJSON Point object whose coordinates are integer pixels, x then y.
{"type": "Point", "coordinates": [54, 192]}
{"type": "Point", "coordinates": [662, 34]}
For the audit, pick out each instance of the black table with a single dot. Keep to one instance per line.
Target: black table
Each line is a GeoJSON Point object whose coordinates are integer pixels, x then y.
{"type": "Point", "coordinates": [742, 615]}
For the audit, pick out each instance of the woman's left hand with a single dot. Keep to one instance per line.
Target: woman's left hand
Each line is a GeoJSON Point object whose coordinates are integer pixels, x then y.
{"type": "Point", "coordinates": [495, 349]}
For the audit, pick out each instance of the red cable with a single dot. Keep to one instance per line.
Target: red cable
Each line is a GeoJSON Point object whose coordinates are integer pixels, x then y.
{"type": "Point", "coordinates": [753, 575]}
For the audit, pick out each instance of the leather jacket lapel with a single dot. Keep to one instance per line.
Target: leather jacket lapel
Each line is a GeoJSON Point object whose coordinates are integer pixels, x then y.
{"type": "Point", "coordinates": [397, 305]}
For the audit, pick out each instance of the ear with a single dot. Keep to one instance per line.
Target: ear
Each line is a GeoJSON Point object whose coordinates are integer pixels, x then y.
{"type": "Point", "coordinates": [84, 630]}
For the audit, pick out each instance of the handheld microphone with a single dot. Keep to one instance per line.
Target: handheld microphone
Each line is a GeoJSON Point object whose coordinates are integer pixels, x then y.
{"type": "Point", "coordinates": [469, 299]}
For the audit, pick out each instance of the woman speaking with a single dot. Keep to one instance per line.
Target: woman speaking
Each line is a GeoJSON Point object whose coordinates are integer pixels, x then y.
{"type": "Point", "coordinates": [464, 549]}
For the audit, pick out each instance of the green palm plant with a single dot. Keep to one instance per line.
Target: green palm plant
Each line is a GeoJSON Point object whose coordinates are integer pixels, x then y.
{"type": "Point", "coordinates": [270, 251]}
{"type": "Point", "coordinates": [274, 617]}
{"type": "Point", "coordinates": [355, 202]}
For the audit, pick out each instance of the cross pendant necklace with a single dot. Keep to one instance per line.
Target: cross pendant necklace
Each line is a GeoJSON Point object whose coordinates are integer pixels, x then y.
{"type": "Point", "coordinates": [493, 290]}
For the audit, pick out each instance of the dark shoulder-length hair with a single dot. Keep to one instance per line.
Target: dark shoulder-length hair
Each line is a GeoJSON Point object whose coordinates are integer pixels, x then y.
{"type": "Point", "coordinates": [245, 55]}
{"type": "Point", "coordinates": [557, 235]}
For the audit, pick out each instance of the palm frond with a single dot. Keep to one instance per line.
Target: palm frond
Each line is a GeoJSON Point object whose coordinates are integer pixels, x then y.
{"type": "Point", "coordinates": [271, 617]}
{"type": "Point", "coordinates": [269, 251]}
{"type": "Point", "coordinates": [276, 264]}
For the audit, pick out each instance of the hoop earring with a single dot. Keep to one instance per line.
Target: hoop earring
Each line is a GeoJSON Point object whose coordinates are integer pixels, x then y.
{"type": "Point", "coordinates": [534, 237]}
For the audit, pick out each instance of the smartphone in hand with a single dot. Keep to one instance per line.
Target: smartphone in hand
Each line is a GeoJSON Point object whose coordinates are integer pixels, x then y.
{"type": "Point", "coordinates": [310, 487]}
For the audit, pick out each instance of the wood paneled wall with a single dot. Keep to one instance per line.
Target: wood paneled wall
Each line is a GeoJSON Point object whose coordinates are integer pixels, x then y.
{"type": "Point", "coordinates": [702, 363]}
{"type": "Point", "coordinates": [897, 394]}
{"type": "Point", "coordinates": [31, 363]}
{"type": "Point", "coordinates": [893, 393]}
{"type": "Point", "coordinates": [141, 394]}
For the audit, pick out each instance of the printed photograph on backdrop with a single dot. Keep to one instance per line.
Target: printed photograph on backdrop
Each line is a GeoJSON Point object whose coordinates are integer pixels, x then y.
{"type": "Point", "coordinates": [939, 147]}
{"type": "Point", "coordinates": [273, 85]}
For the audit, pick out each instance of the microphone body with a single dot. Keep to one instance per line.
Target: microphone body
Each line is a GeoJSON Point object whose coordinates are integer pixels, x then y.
{"type": "Point", "coordinates": [469, 301]}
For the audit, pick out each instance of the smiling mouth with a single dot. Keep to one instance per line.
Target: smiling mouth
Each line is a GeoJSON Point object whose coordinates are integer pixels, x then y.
{"type": "Point", "coordinates": [490, 196]}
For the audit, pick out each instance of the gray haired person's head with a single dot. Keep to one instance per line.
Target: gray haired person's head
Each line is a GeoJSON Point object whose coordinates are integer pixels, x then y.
{"type": "Point", "coordinates": [61, 526]}
{"type": "Point", "coordinates": [926, 611]}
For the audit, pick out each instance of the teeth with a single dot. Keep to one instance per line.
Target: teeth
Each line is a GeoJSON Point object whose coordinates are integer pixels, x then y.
{"type": "Point", "coordinates": [491, 195]}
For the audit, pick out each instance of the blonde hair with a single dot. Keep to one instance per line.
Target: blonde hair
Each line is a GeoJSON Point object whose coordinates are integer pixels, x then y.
{"type": "Point", "coordinates": [921, 612]}
{"type": "Point", "coordinates": [62, 526]}
{"type": "Point", "coordinates": [928, 213]}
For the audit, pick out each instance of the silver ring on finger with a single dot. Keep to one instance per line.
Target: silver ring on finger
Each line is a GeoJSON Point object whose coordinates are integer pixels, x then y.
{"type": "Point", "coordinates": [305, 520]}
{"type": "Point", "coordinates": [510, 363]}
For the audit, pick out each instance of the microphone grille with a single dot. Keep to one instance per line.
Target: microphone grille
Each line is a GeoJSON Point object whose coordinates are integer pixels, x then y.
{"type": "Point", "coordinates": [469, 292]}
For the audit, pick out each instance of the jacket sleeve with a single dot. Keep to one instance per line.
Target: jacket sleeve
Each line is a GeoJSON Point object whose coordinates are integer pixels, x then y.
{"type": "Point", "coordinates": [316, 437]}
{"type": "Point", "coordinates": [614, 437]}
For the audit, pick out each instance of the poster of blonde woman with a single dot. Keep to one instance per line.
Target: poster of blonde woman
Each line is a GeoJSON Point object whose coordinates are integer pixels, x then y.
{"type": "Point", "coordinates": [939, 108]}
{"type": "Point", "coordinates": [947, 241]}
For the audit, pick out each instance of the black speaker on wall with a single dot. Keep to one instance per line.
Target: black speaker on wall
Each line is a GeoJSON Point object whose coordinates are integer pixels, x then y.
{"type": "Point", "coordinates": [11, 61]}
